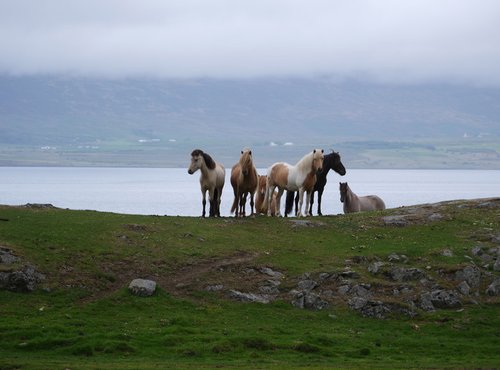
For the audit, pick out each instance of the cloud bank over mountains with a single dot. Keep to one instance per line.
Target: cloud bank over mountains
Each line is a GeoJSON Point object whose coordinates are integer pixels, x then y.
{"type": "Point", "coordinates": [390, 41]}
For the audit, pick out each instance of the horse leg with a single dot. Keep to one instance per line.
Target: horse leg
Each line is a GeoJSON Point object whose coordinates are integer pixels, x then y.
{"type": "Point", "coordinates": [269, 198]}
{"type": "Point", "coordinates": [297, 197]}
{"type": "Point", "coordinates": [320, 195]}
{"type": "Point", "coordinates": [251, 204]}
{"type": "Point", "coordinates": [278, 201]}
{"type": "Point", "coordinates": [308, 200]}
{"type": "Point", "coordinates": [203, 202]}
{"type": "Point", "coordinates": [310, 204]}
{"type": "Point", "coordinates": [218, 200]}
{"type": "Point", "coordinates": [211, 199]}
{"type": "Point", "coordinates": [301, 199]}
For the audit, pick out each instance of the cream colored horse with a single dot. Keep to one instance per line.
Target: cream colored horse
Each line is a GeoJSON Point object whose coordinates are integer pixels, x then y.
{"type": "Point", "coordinates": [354, 203]}
{"type": "Point", "coordinates": [244, 182]}
{"type": "Point", "coordinates": [298, 177]}
{"type": "Point", "coordinates": [211, 179]}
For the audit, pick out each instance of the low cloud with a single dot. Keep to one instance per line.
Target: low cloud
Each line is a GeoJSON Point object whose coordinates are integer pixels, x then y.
{"type": "Point", "coordinates": [385, 40]}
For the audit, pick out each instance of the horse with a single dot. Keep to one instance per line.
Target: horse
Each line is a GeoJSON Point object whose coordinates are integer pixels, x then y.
{"type": "Point", "coordinates": [211, 179]}
{"type": "Point", "coordinates": [354, 203]}
{"type": "Point", "coordinates": [331, 161]}
{"type": "Point", "coordinates": [244, 182]}
{"type": "Point", "coordinates": [259, 197]}
{"type": "Point", "coordinates": [298, 177]}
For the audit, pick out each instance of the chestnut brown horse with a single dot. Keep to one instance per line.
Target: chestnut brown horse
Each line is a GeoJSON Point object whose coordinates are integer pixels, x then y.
{"type": "Point", "coordinates": [244, 182]}
{"type": "Point", "coordinates": [259, 198]}
{"type": "Point", "coordinates": [354, 203]}
{"type": "Point", "coordinates": [211, 179]}
{"type": "Point", "coordinates": [298, 177]}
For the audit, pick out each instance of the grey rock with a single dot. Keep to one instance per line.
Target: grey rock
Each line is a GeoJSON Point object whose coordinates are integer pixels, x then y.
{"type": "Point", "coordinates": [361, 290]}
{"type": "Point", "coordinates": [405, 274]}
{"type": "Point", "coordinates": [343, 289]}
{"type": "Point", "coordinates": [398, 220]}
{"type": "Point", "coordinates": [441, 298]}
{"type": "Point", "coordinates": [425, 302]}
{"type": "Point", "coordinates": [270, 287]}
{"type": "Point", "coordinates": [369, 308]}
{"type": "Point", "coordinates": [349, 274]}
{"type": "Point", "coordinates": [7, 257]}
{"type": "Point", "coordinates": [214, 288]}
{"type": "Point", "coordinates": [375, 267]}
{"type": "Point", "coordinates": [494, 288]}
{"type": "Point", "coordinates": [496, 266]}
{"type": "Point", "coordinates": [309, 301]}
{"type": "Point", "coordinates": [464, 288]}
{"type": "Point", "coordinates": [249, 297]}
{"type": "Point", "coordinates": [477, 251]}
{"type": "Point", "coordinates": [142, 287]}
{"type": "Point", "coordinates": [447, 253]}
{"type": "Point", "coordinates": [393, 257]}
{"type": "Point", "coordinates": [307, 285]}
{"type": "Point", "coordinates": [24, 280]}
{"type": "Point", "coordinates": [306, 223]}
{"type": "Point", "coordinates": [357, 303]}
{"type": "Point", "coordinates": [435, 217]}
{"type": "Point", "coordinates": [270, 272]}
{"type": "Point", "coordinates": [470, 274]}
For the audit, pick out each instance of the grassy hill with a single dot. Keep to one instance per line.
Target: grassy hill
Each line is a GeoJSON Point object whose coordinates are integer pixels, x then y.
{"type": "Point", "coordinates": [340, 291]}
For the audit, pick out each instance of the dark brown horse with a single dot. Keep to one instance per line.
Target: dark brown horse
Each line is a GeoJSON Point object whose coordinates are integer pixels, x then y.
{"type": "Point", "coordinates": [331, 161]}
{"type": "Point", "coordinates": [244, 182]}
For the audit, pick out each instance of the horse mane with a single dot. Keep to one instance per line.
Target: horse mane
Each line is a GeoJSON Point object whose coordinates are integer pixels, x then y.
{"type": "Point", "coordinates": [306, 160]}
{"type": "Point", "coordinates": [208, 160]}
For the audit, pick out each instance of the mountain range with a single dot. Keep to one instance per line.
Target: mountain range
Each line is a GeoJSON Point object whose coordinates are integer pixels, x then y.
{"type": "Point", "coordinates": [79, 114]}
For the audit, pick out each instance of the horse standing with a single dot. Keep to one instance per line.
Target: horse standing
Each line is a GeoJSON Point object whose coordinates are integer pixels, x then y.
{"type": "Point", "coordinates": [331, 161]}
{"type": "Point", "coordinates": [244, 182]}
{"type": "Point", "coordinates": [298, 177]}
{"type": "Point", "coordinates": [211, 179]}
{"type": "Point", "coordinates": [354, 203]}
{"type": "Point", "coordinates": [259, 197]}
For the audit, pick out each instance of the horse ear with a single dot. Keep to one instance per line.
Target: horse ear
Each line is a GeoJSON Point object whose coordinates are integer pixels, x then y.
{"type": "Point", "coordinates": [242, 152]}
{"type": "Point", "coordinates": [314, 151]}
{"type": "Point", "coordinates": [322, 151]}
{"type": "Point", "coordinates": [250, 152]}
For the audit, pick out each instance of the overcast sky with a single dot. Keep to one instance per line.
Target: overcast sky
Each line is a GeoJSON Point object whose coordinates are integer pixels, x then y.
{"type": "Point", "coordinates": [454, 41]}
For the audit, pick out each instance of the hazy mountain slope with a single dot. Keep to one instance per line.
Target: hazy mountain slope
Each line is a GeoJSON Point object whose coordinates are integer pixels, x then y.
{"type": "Point", "coordinates": [43, 110]}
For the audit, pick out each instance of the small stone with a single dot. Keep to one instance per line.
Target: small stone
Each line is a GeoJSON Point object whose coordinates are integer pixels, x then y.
{"type": "Point", "coordinates": [447, 253]}
{"type": "Point", "coordinates": [464, 288]}
{"type": "Point", "coordinates": [142, 287]}
{"type": "Point", "coordinates": [494, 288]}
{"type": "Point", "coordinates": [374, 267]}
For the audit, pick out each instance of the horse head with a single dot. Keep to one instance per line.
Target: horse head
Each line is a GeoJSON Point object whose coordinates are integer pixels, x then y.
{"type": "Point", "coordinates": [262, 184]}
{"type": "Point", "coordinates": [198, 159]}
{"type": "Point", "coordinates": [333, 162]}
{"type": "Point", "coordinates": [246, 161]}
{"type": "Point", "coordinates": [343, 191]}
{"type": "Point", "coordinates": [317, 162]}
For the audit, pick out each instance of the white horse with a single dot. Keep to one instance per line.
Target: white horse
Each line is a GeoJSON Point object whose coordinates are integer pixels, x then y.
{"type": "Point", "coordinates": [300, 177]}
{"type": "Point", "coordinates": [354, 203]}
{"type": "Point", "coordinates": [211, 179]}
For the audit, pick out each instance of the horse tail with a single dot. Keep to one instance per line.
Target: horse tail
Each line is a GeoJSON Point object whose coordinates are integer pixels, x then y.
{"type": "Point", "coordinates": [235, 204]}
{"type": "Point", "coordinates": [290, 195]}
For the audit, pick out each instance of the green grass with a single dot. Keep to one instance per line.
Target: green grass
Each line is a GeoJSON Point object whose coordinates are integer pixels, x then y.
{"type": "Point", "coordinates": [84, 317]}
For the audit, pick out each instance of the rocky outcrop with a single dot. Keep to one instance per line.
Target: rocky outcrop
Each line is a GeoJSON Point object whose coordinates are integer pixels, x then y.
{"type": "Point", "coordinates": [16, 277]}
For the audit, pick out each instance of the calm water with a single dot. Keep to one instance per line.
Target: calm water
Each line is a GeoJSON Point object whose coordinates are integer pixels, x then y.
{"type": "Point", "coordinates": [160, 191]}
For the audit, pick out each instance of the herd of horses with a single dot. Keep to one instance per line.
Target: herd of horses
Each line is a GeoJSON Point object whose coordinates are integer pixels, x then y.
{"type": "Point", "coordinates": [307, 176]}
